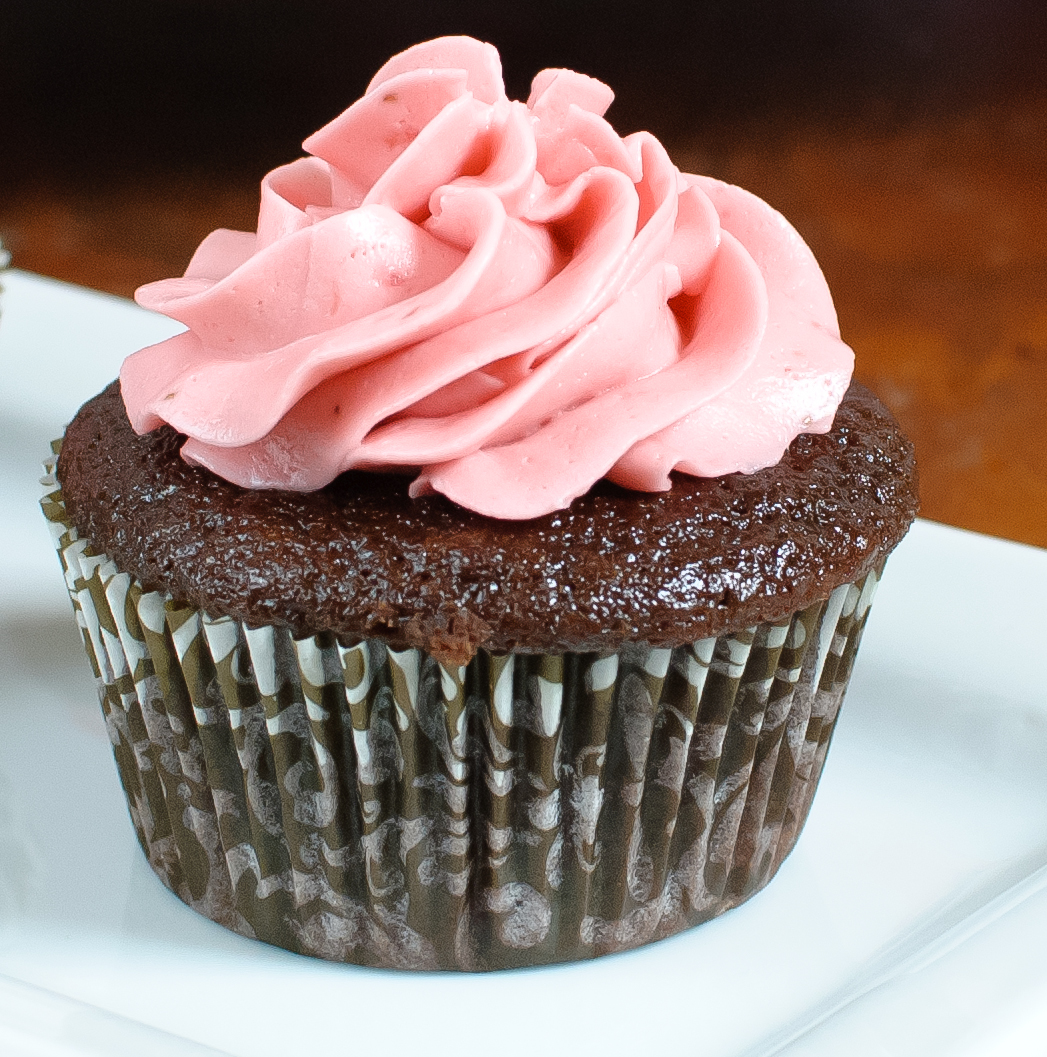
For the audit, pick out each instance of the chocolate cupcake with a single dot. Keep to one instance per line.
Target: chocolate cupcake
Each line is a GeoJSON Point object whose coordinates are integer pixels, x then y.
{"type": "Point", "coordinates": [495, 610]}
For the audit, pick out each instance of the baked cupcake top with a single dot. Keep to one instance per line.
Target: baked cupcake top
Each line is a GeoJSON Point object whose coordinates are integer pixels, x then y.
{"type": "Point", "coordinates": [361, 557]}
{"type": "Point", "coordinates": [488, 373]}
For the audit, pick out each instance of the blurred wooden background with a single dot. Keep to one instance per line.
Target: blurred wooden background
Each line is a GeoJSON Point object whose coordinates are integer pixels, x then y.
{"type": "Point", "coordinates": [906, 139]}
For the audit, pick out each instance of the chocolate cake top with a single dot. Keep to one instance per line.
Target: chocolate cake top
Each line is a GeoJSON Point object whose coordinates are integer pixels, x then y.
{"type": "Point", "coordinates": [361, 558]}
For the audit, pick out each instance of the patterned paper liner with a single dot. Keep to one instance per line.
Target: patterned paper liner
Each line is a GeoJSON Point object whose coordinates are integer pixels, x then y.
{"type": "Point", "coordinates": [366, 804]}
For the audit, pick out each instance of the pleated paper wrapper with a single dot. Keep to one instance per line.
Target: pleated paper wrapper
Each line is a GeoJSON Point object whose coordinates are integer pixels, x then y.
{"type": "Point", "coordinates": [367, 804]}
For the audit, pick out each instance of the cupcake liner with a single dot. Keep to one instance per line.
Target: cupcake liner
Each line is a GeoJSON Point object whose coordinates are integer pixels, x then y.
{"type": "Point", "coordinates": [367, 804]}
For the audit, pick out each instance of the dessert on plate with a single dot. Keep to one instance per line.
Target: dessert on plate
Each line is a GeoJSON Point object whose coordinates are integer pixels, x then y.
{"type": "Point", "coordinates": [5, 260]}
{"type": "Point", "coordinates": [475, 582]}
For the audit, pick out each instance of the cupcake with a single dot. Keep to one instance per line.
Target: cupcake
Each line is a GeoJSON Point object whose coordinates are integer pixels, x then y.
{"type": "Point", "coordinates": [5, 260]}
{"type": "Point", "coordinates": [476, 581]}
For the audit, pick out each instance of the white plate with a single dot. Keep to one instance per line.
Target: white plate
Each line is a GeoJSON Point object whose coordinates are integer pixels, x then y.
{"type": "Point", "coordinates": [910, 919]}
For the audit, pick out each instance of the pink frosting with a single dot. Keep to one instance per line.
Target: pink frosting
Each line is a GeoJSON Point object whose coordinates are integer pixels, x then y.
{"type": "Point", "coordinates": [508, 299]}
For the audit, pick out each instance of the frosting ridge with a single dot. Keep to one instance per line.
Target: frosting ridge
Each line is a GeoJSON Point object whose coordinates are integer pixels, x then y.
{"type": "Point", "coordinates": [508, 299]}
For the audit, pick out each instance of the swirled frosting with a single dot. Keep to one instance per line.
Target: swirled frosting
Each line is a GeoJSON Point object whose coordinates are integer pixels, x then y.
{"type": "Point", "coordinates": [507, 299]}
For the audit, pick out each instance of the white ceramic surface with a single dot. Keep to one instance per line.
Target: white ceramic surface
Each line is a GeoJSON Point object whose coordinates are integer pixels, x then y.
{"type": "Point", "coordinates": [910, 920]}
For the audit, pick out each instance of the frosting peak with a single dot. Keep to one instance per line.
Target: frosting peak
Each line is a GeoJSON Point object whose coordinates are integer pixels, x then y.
{"type": "Point", "coordinates": [508, 299]}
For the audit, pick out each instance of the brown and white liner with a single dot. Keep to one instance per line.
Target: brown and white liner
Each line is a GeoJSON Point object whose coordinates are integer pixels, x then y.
{"type": "Point", "coordinates": [367, 804]}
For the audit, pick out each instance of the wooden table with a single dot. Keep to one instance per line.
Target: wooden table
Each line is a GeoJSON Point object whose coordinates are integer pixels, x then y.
{"type": "Point", "coordinates": [933, 237]}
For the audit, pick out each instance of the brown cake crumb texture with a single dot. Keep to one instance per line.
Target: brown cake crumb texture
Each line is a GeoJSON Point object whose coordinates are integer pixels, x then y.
{"type": "Point", "coordinates": [361, 558]}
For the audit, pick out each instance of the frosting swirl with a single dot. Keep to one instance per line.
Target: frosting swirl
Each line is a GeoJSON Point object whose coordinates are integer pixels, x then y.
{"type": "Point", "coordinates": [507, 298]}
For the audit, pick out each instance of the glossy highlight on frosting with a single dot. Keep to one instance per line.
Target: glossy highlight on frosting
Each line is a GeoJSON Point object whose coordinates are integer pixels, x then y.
{"type": "Point", "coordinates": [508, 300]}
